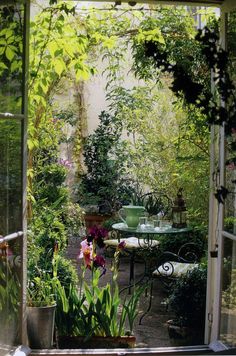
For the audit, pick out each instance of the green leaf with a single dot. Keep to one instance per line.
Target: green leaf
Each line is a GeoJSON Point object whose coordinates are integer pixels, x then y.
{"type": "Point", "coordinates": [53, 48]}
{"type": "Point", "coordinates": [15, 65]}
{"type": "Point", "coordinates": [9, 53]}
{"type": "Point", "coordinates": [58, 66]}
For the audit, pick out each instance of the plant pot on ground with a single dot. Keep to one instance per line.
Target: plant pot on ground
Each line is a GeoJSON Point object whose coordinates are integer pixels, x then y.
{"type": "Point", "coordinates": [40, 326]}
{"type": "Point", "coordinates": [43, 289]}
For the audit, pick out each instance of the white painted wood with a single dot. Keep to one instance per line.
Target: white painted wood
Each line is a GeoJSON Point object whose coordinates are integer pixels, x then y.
{"type": "Point", "coordinates": [212, 265]}
{"type": "Point", "coordinates": [228, 6]}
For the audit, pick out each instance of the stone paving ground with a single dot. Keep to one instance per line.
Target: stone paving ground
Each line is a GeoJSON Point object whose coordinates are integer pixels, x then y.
{"type": "Point", "coordinates": [153, 331]}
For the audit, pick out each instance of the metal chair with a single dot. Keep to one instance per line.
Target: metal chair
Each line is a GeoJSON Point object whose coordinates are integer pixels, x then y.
{"type": "Point", "coordinates": [156, 202]}
{"type": "Point", "coordinates": [170, 266]}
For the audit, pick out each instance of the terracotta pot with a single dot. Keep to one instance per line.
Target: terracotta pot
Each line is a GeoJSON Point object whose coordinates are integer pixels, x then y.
{"type": "Point", "coordinates": [96, 342]}
{"type": "Point", "coordinates": [95, 219]}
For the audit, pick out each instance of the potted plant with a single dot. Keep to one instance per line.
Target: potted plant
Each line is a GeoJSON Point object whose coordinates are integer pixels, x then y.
{"type": "Point", "coordinates": [104, 188]}
{"type": "Point", "coordinates": [44, 288]}
{"type": "Point", "coordinates": [188, 302]}
{"type": "Point", "coordinates": [101, 319]}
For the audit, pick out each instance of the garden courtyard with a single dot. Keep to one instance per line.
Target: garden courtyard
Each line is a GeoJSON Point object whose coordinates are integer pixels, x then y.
{"type": "Point", "coordinates": [122, 135]}
{"type": "Point", "coordinates": [112, 127]}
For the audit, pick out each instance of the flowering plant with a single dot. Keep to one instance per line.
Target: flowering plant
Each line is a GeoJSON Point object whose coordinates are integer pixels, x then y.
{"type": "Point", "coordinates": [89, 248]}
{"type": "Point", "coordinates": [101, 311]}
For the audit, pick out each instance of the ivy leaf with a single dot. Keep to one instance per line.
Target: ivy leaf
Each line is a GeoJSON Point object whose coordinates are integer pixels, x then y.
{"type": "Point", "coordinates": [15, 65]}
{"type": "Point", "coordinates": [3, 66]}
{"type": "Point", "coordinates": [9, 53]}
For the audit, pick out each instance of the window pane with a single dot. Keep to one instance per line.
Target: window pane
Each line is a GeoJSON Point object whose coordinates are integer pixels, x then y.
{"type": "Point", "coordinates": [228, 307]}
{"type": "Point", "coordinates": [10, 176]}
{"type": "Point", "coordinates": [9, 295]}
{"type": "Point", "coordinates": [11, 39]}
{"type": "Point", "coordinates": [230, 206]}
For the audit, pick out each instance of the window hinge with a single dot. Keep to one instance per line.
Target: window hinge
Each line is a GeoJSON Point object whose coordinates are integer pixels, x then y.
{"type": "Point", "coordinates": [210, 317]}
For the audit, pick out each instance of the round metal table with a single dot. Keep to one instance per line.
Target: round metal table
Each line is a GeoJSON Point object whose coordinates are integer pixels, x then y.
{"type": "Point", "coordinates": [147, 232]}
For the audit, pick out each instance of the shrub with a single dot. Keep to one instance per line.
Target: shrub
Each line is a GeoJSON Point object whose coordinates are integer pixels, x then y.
{"type": "Point", "coordinates": [105, 182]}
{"type": "Point", "coordinates": [47, 229]}
{"type": "Point", "coordinates": [67, 274]}
{"type": "Point", "coordinates": [188, 297]}
{"type": "Point", "coordinates": [172, 243]}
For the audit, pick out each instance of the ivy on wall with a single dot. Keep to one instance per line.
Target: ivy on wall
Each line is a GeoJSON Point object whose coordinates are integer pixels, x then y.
{"type": "Point", "coordinates": [219, 107]}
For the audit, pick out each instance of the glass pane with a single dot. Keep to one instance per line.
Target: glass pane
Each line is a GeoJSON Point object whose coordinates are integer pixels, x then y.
{"type": "Point", "coordinates": [10, 176]}
{"type": "Point", "coordinates": [9, 295]}
{"type": "Point", "coordinates": [228, 307]}
{"type": "Point", "coordinates": [11, 40]}
{"type": "Point", "coordinates": [230, 206]}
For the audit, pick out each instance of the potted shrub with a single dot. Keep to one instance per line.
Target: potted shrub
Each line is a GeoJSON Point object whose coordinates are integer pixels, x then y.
{"type": "Point", "coordinates": [100, 318]}
{"type": "Point", "coordinates": [188, 302]}
{"type": "Point", "coordinates": [44, 288]}
{"type": "Point", "coordinates": [104, 188]}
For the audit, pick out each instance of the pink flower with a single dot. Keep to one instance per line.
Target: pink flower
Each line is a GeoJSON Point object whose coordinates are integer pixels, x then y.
{"type": "Point", "coordinates": [65, 162]}
{"type": "Point", "coordinates": [86, 252]}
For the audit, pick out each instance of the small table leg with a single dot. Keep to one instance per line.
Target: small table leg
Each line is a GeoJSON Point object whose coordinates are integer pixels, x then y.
{"type": "Point", "coordinates": [131, 270]}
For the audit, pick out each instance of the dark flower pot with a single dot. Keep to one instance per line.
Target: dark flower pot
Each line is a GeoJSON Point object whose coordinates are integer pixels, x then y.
{"type": "Point", "coordinates": [96, 342]}
{"type": "Point", "coordinates": [184, 335]}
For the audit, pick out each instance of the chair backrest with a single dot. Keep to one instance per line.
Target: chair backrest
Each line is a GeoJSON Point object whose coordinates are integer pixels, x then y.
{"type": "Point", "coordinates": [171, 265]}
{"type": "Point", "coordinates": [156, 202]}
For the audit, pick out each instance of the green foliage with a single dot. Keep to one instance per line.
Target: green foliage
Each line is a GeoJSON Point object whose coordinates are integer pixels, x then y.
{"type": "Point", "coordinates": [53, 174]}
{"type": "Point", "coordinates": [98, 310]}
{"type": "Point", "coordinates": [68, 277]}
{"type": "Point", "coordinates": [44, 286]}
{"type": "Point", "coordinates": [173, 243]}
{"type": "Point", "coordinates": [47, 229]}
{"type": "Point", "coordinates": [74, 219]}
{"type": "Point", "coordinates": [105, 179]}
{"type": "Point", "coordinates": [188, 298]}
{"type": "Point", "coordinates": [41, 292]}
{"type": "Point", "coordinates": [11, 36]}
{"type": "Point", "coordinates": [101, 312]}
{"type": "Point", "coordinates": [173, 158]}
{"type": "Point", "coordinates": [49, 184]}
{"type": "Point", "coordinates": [9, 292]}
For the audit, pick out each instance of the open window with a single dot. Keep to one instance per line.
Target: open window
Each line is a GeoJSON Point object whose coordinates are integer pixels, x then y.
{"type": "Point", "coordinates": [13, 113]}
{"type": "Point", "coordinates": [221, 314]}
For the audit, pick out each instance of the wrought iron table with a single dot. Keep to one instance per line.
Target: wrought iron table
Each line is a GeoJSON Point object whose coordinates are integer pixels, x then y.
{"type": "Point", "coordinates": [146, 237]}
{"type": "Point", "coordinates": [148, 233]}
